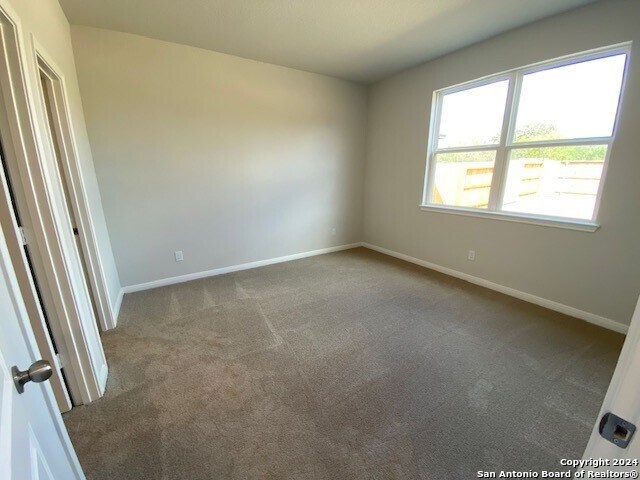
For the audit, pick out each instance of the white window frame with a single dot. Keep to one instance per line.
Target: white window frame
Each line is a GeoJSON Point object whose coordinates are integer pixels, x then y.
{"type": "Point", "coordinates": [506, 145]}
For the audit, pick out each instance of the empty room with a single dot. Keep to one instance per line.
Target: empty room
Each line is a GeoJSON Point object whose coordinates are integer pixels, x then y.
{"type": "Point", "coordinates": [275, 239]}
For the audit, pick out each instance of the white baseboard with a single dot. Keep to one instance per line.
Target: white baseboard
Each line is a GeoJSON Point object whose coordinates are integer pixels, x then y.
{"type": "Point", "coordinates": [527, 297]}
{"type": "Point", "coordinates": [233, 268]}
{"type": "Point", "coordinates": [116, 308]}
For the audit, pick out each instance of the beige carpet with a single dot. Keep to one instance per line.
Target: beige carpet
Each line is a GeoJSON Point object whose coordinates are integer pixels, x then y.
{"type": "Point", "coordinates": [350, 365]}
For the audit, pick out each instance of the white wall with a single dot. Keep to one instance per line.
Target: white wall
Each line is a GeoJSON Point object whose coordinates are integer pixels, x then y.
{"type": "Point", "coordinates": [595, 272]}
{"type": "Point", "coordinates": [45, 22]}
{"type": "Point", "coordinates": [230, 160]}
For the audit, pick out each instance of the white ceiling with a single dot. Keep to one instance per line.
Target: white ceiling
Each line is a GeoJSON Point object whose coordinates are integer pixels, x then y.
{"type": "Point", "coordinates": [360, 40]}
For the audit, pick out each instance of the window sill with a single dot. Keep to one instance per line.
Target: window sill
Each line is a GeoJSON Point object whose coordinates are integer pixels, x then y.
{"type": "Point", "coordinates": [580, 225]}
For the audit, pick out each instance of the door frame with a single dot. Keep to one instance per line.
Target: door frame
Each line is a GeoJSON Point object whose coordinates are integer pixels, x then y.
{"type": "Point", "coordinates": [622, 398]}
{"type": "Point", "coordinates": [81, 353]}
{"type": "Point", "coordinates": [35, 292]}
{"type": "Point", "coordinates": [75, 181]}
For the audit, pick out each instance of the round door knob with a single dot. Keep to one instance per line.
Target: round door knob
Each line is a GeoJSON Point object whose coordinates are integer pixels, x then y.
{"type": "Point", "coordinates": [38, 372]}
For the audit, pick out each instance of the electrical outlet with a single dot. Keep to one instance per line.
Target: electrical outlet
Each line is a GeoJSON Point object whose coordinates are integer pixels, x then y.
{"type": "Point", "coordinates": [471, 255]}
{"type": "Point", "coordinates": [333, 231]}
{"type": "Point", "coordinates": [179, 256]}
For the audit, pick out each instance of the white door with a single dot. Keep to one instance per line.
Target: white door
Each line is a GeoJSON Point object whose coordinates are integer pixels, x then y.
{"type": "Point", "coordinates": [34, 443]}
{"type": "Point", "coordinates": [623, 400]}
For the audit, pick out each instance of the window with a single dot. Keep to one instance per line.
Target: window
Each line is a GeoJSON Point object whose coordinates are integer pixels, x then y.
{"type": "Point", "coordinates": [527, 145]}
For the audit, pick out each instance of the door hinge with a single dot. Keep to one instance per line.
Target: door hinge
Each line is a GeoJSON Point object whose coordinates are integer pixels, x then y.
{"type": "Point", "coordinates": [58, 360]}
{"type": "Point", "coordinates": [23, 236]}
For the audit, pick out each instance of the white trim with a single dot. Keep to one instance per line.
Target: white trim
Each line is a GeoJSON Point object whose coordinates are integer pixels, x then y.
{"type": "Point", "coordinates": [557, 222]}
{"type": "Point", "coordinates": [18, 237]}
{"type": "Point", "coordinates": [501, 157]}
{"type": "Point", "coordinates": [25, 130]}
{"type": "Point", "coordinates": [572, 58]}
{"type": "Point", "coordinates": [527, 297]}
{"type": "Point", "coordinates": [565, 142]}
{"type": "Point", "coordinates": [116, 307]}
{"type": "Point", "coordinates": [234, 268]}
{"type": "Point", "coordinates": [482, 148]}
{"type": "Point", "coordinates": [507, 144]}
{"type": "Point", "coordinates": [622, 398]}
{"type": "Point", "coordinates": [75, 182]}
{"type": "Point", "coordinates": [512, 292]}
{"type": "Point", "coordinates": [20, 82]}
{"type": "Point", "coordinates": [78, 332]}
{"type": "Point", "coordinates": [102, 377]}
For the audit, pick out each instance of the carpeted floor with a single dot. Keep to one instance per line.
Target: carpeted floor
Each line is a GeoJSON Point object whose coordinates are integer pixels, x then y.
{"type": "Point", "coordinates": [351, 365]}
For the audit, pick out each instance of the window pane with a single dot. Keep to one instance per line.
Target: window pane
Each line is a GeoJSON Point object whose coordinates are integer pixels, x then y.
{"type": "Point", "coordinates": [463, 179]}
{"type": "Point", "coordinates": [556, 181]}
{"type": "Point", "coordinates": [574, 101]}
{"type": "Point", "coordinates": [473, 117]}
